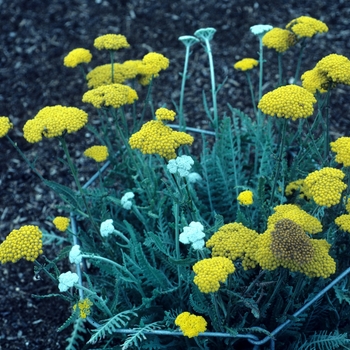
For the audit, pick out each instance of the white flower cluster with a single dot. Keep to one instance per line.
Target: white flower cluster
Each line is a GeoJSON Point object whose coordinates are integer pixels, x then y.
{"type": "Point", "coordinates": [106, 228]}
{"type": "Point", "coordinates": [180, 165]}
{"type": "Point", "coordinates": [126, 200]}
{"type": "Point", "coordinates": [193, 234]}
{"type": "Point", "coordinates": [75, 255]}
{"type": "Point", "coordinates": [260, 29]}
{"type": "Point", "coordinates": [67, 280]}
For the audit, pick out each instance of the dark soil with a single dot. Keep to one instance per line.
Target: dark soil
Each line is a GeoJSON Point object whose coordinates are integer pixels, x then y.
{"type": "Point", "coordinates": [35, 36]}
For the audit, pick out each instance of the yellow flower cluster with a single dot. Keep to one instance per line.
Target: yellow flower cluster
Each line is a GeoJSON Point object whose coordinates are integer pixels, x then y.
{"type": "Point", "coordinates": [342, 148]}
{"type": "Point", "coordinates": [307, 222]}
{"type": "Point", "coordinates": [97, 153]}
{"type": "Point", "coordinates": [320, 265]}
{"type": "Point", "coordinates": [289, 242]}
{"type": "Point", "coordinates": [111, 42]}
{"type": "Point", "coordinates": [245, 198]}
{"type": "Point", "coordinates": [165, 114]}
{"type": "Point", "coordinates": [157, 138]}
{"type": "Point", "coordinates": [326, 186]}
{"type": "Point", "coordinates": [84, 306]}
{"type": "Point", "coordinates": [246, 64]}
{"type": "Point", "coordinates": [23, 243]}
{"type": "Point", "coordinates": [76, 57]}
{"type": "Point", "coordinates": [61, 223]}
{"type": "Point", "coordinates": [209, 272]}
{"type": "Point", "coordinates": [191, 325]}
{"type": "Point", "coordinates": [5, 126]}
{"type": "Point", "coordinates": [152, 64]}
{"type": "Point", "coordinates": [54, 121]}
{"type": "Point", "coordinates": [231, 241]}
{"type": "Point", "coordinates": [114, 95]}
{"type": "Point", "coordinates": [102, 75]}
{"type": "Point", "coordinates": [314, 80]}
{"type": "Point", "coordinates": [298, 185]}
{"type": "Point", "coordinates": [279, 39]}
{"type": "Point", "coordinates": [290, 101]}
{"type": "Point", "coordinates": [343, 221]}
{"type": "Point", "coordinates": [305, 26]}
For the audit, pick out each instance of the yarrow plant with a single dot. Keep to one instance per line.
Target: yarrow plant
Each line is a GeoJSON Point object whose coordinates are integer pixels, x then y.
{"type": "Point", "coordinates": [198, 248]}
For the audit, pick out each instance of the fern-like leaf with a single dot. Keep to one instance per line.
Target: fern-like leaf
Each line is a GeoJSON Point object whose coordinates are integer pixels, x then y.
{"type": "Point", "coordinates": [73, 340]}
{"type": "Point", "coordinates": [325, 341]}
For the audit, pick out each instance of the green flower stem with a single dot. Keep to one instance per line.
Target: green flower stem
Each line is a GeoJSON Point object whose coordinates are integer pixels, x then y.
{"type": "Point", "coordinates": [261, 72]}
{"type": "Point", "coordinates": [101, 304]}
{"type": "Point", "coordinates": [120, 234]}
{"type": "Point", "coordinates": [82, 71]}
{"type": "Point", "coordinates": [139, 215]}
{"type": "Point", "coordinates": [111, 54]}
{"type": "Point", "coordinates": [296, 76]}
{"type": "Point", "coordinates": [31, 166]}
{"type": "Point", "coordinates": [251, 89]}
{"type": "Point", "coordinates": [77, 182]}
{"type": "Point", "coordinates": [327, 136]}
{"type": "Point", "coordinates": [119, 267]}
{"type": "Point", "coordinates": [177, 250]}
{"type": "Point", "coordinates": [280, 69]}
{"type": "Point", "coordinates": [279, 160]}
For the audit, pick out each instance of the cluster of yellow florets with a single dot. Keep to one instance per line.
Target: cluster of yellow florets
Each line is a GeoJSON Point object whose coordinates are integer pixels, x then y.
{"type": "Point", "coordinates": [157, 138]}
{"type": "Point", "coordinates": [246, 64]}
{"type": "Point", "coordinates": [76, 57]}
{"type": "Point", "coordinates": [84, 307]}
{"type": "Point", "coordinates": [165, 114]}
{"type": "Point", "coordinates": [307, 222]}
{"type": "Point", "coordinates": [314, 80]}
{"type": "Point", "coordinates": [5, 126]}
{"type": "Point", "coordinates": [97, 153]}
{"type": "Point", "coordinates": [326, 186]}
{"type": "Point", "coordinates": [61, 223]}
{"type": "Point", "coordinates": [114, 95]}
{"type": "Point", "coordinates": [102, 75]}
{"type": "Point", "coordinates": [245, 198]}
{"type": "Point", "coordinates": [23, 243]}
{"type": "Point", "coordinates": [336, 68]}
{"type": "Point", "coordinates": [290, 101]}
{"type": "Point", "coordinates": [111, 42]}
{"type": "Point", "coordinates": [290, 242]}
{"type": "Point", "coordinates": [191, 325]}
{"type": "Point", "coordinates": [298, 185]}
{"type": "Point", "coordinates": [305, 26]}
{"type": "Point", "coordinates": [210, 272]}
{"type": "Point", "coordinates": [152, 64]}
{"type": "Point", "coordinates": [54, 121]}
{"type": "Point", "coordinates": [342, 148]}
{"type": "Point", "coordinates": [279, 39]}
{"type": "Point", "coordinates": [343, 221]}
{"type": "Point", "coordinates": [231, 241]}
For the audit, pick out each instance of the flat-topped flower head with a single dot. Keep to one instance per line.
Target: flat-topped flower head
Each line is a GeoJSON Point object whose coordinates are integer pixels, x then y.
{"type": "Point", "coordinates": [342, 148]}
{"type": "Point", "coordinates": [245, 198]}
{"type": "Point", "coordinates": [205, 34]}
{"type": "Point", "coordinates": [67, 280]}
{"type": "Point", "coordinates": [336, 68]}
{"type": "Point", "coordinates": [61, 223]}
{"type": "Point", "coordinates": [114, 95]}
{"type": "Point", "coordinates": [279, 39]}
{"type": "Point", "coordinates": [106, 228]}
{"type": "Point", "coordinates": [150, 66]}
{"type": "Point", "coordinates": [54, 121]}
{"type": "Point", "coordinates": [188, 40]}
{"type": "Point", "coordinates": [193, 234]}
{"type": "Point", "coordinates": [111, 42]}
{"type": "Point", "coordinates": [25, 243]}
{"type": "Point", "coordinates": [181, 165]}
{"type": "Point", "coordinates": [290, 101]}
{"type": "Point", "coordinates": [97, 153]}
{"type": "Point", "coordinates": [326, 186]}
{"type": "Point", "coordinates": [102, 75]}
{"type": "Point", "coordinates": [343, 221]}
{"type": "Point", "coordinates": [260, 29]}
{"type": "Point", "coordinates": [5, 126]}
{"type": "Point", "coordinates": [126, 200]}
{"type": "Point", "coordinates": [191, 325]}
{"type": "Point", "coordinates": [165, 114]}
{"type": "Point", "coordinates": [157, 138]}
{"type": "Point", "coordinates": [77, 56]}
{"type": "Point", "coordinates": [210, 272]}
{"type": "Point", "coordinates": [84, 307]}
{"type": "Point", "coordinates": [305, 26]}
{"type": "Point", "coordinates": [298, 186]}
{"type": "Point", "coordinates": [246, 64]}
{"type": "Point", "coordinates": [315, 80]}
{"type": "Point", "coordinates": [75, 256]}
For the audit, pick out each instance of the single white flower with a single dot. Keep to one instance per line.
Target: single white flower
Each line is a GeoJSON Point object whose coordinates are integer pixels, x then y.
{"type": "Point", "coordinates": [193, 234]}
{"type": "Point", "coordinates": [75, 255]}
{"type": "Point", "coordinates": [180, 165]}
{"type": "Point", "coordinates": [260, 29]}
{"type": "Point", "coordinates": [194, 177]}
{"type": "Point", "coordinates": [67, 280]}
{"type": "Point", "coordinates": [125, 200]}
{"type": "Point", "coordinates": [106, 228]}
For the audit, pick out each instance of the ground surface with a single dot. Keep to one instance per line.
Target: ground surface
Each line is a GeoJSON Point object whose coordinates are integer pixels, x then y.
{"type": "Point", "coordinates": [36, 35]}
